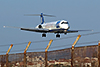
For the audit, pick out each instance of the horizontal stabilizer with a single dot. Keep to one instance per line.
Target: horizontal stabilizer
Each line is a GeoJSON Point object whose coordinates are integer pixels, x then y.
{"type": "Point", "coordinates": [39, 15]}
{"type": "Point", "coordinates": [11, 27]}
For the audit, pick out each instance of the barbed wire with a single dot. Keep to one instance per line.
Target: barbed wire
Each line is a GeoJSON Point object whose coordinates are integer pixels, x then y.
{"type": "Point", "coordinates": [55, 39]}
{"type": "Point", "coordinates": [24, 43]}
{"type": "Point", "coordinates": [65, 47]}
{"type": "Point", "coordinates": [77, 44]}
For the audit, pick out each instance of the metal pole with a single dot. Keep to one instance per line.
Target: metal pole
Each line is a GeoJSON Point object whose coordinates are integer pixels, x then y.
{"type": "Point", "coordinates": [27, 46]}
{"type": "Point", "coordinates": [2, 61]}
{"type": "Point", "coordinates": [46, 51]}
{"type": "Point", "coordinates": [46, 64]}
{"type": "Point", "coordinates": [25, 60]}
{"type": "Point", "coordinates": [7, 60]}
{"type": "Point", "coordinates": [72, 57]}
{"type": "Point", "coordinates": [8, 55]}
{"type": "Point", "coordinates": [9, 49]}
{"type": "Point", "coordinates": [99, 54]}
{"type": "Point", "coordinates": [72, 53]}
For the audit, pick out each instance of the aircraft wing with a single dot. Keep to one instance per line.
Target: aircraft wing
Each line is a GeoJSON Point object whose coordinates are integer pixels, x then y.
{"type": "Point", "coordinates": [65, 31]}
{"type": "Point", "coordinates": [72, 31]}
{"type": "Point", "coordinates": [30, 29]}
{"type": "Point", "coordinates": [52, 30]}
{"type": "Point", "coordinates": [35, 30]}
{"type": "Point", "coordinates": [47, 30]}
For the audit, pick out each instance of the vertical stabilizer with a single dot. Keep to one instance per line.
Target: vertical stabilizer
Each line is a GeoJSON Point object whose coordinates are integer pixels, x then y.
{"type": "Point", "coordinates": [42, 18]}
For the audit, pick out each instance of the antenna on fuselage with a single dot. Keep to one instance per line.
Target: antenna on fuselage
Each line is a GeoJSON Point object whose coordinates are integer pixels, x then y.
{"type": "Point", "coordinates": [41, 15]}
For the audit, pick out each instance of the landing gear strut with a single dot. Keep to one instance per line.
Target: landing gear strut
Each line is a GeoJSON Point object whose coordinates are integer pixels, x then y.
{"type": "Point", "coordinates": [43, 35]}
{"type": "Point", "coordinates": [58, 35]}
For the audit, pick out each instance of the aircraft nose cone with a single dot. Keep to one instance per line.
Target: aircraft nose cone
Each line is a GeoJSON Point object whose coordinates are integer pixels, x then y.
{"type": "Point", "coordinates": [65, 26]}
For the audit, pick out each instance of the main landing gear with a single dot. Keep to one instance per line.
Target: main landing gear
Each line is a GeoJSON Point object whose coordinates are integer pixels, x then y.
{"type": "Point", "coordinates": [43, 35]}
{"type": "Point", "coordinates": [57, 36]}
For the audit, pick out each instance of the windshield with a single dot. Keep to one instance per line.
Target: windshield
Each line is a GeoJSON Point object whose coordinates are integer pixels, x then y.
{"type": "Point", "coordinates": [64, 23]}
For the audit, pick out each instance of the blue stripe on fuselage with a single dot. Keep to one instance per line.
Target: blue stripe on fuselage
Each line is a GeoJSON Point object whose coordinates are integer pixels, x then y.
{"type": "Point", "coordinates": [56, 30]}
{"type": "Point", "coordinates": [57, 24]}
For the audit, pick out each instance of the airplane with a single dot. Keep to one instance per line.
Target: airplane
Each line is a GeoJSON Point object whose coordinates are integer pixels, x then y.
{"type": "Point", "coordinates": [57, 27]}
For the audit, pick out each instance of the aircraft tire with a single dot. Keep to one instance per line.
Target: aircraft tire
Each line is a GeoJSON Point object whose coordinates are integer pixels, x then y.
{"type": "Point", "coordinates": [58, 36]}
{"type": "Point", "coordinates": [43, 35]}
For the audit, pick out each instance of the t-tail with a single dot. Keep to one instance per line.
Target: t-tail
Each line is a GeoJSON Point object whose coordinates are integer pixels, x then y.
{"type": "Point", "coordinates": [41, 15]}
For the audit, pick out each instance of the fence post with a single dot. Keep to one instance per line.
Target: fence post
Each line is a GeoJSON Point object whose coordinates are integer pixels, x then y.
{"type": "Point", "coordinates": [46, 59]}
{"type": "Point", "coordinates": [8, 55]}
{"type": "Point", "coordinates": [25, 60]}
{"type": "Point", "coordinates": [72, 56]}
{"type": "Point", "coordinates": [46, 51]}
{"type": "Point", "coordinates": [99, 54]}
{"type": "Point", "coordinates": [72, 53]}
{"type": "Point", "coordinates": [2, 61]}
{"type": "Point", "coordinates": [25, 53]}
{"type": "Point", "coordinates": [7, 60]}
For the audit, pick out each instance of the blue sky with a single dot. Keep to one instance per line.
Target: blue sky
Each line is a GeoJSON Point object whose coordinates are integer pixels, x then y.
{"type": "Point", "coordinates": [81, 15]}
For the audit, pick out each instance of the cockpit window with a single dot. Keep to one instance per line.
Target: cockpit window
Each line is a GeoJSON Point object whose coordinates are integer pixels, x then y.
{"type": "Point", "coordinates": [64, 23]}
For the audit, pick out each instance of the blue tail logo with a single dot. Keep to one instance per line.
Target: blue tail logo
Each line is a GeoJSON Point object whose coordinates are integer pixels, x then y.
{"type": "Point", "coordinates": [42, 18]}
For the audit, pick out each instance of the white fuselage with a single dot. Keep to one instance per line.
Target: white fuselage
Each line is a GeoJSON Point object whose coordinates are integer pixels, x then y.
{"type": "Point", "coordinates": [55, 25]}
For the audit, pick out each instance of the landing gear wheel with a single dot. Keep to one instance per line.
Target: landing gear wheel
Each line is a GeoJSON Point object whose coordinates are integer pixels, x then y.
{"type": "Point", "coordinates": [43, 35]}
{"type": "Point", "coordinates": [65, 33]}
{"type": "Point", "coordinates": [58, 35]}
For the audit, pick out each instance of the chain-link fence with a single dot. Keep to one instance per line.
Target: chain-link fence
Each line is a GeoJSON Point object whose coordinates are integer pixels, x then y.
{"type": "Point", "coordinates": [86, 56]}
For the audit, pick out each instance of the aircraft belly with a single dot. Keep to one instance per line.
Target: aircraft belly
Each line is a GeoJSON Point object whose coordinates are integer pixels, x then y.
{"type": "Point", "coordinates": [56, 30]}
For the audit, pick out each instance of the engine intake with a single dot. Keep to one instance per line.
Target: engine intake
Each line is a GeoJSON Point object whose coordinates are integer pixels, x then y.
{"type": "Point", "coordinates": [39, 26]}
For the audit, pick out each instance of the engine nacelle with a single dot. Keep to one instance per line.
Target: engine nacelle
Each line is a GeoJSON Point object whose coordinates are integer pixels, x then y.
{"type": "Point", "coordinates": [39, 26]}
